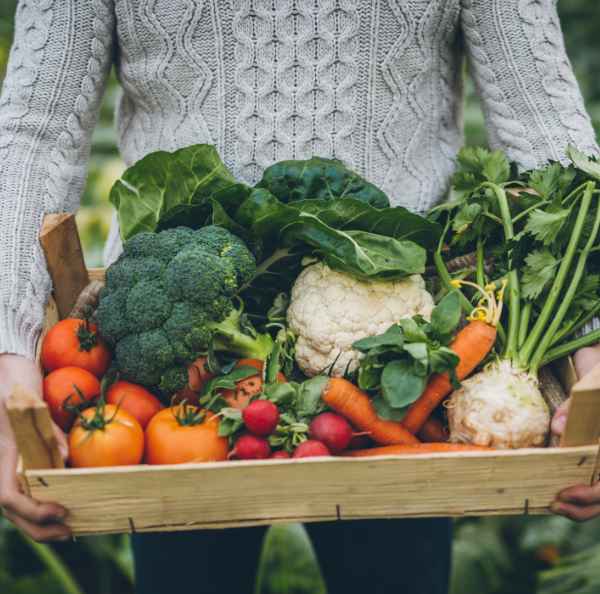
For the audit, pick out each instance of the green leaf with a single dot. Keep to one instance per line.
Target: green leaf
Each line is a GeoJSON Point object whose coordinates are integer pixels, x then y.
{"type": "Point", "coordinates": [400, 385]}
{"type": "Point", "coordinates": [369, 373]}
{"type": "Point", "coordinates": [392, 337]}
{"type": "Point", "coordinates": [319, 178]}
{"type": "Point", "coordinates": [420, 353]}
{"type": "Point", "coordinates": [443, 359]}
{"type": "Point", "coordinates": [360, 253]}
{"type": "Point", "coordinates": [309, 402]}
{"type": "Point", "coordinates": [538, 273]}
{"type": "Point", "coordinates": [231, 421]}
{"type": "Point", "coordinates": [445, 317]}
{"type": "Point", "coordinates": [354, 215]}
{"type": "Point", "coordinates": [553, 180]}
{"type": "Point", "coordinates": [413, 332]}
{"type": "Point", "coordinates": [584, 163]}
{"type": "Point", "coordinates": [545, 226]}
{"type": "Point", "coordinates": [465, 217]}
{"type": "Point", "coordinates": [386, 412]}
{"type": "Point", "coordinates": [496, 168]}
{"type": "Point", "coordinates": [168, 189]}
{"type": "Point", "coordinates": [476, 165]}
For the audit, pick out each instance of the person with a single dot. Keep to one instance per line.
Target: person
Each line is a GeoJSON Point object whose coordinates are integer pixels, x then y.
{"type": "Point", "coordinates": [375, 84]}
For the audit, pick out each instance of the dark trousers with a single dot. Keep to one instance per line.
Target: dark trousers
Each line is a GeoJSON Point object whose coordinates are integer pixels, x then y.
{"type": "Point", "coordinates": [357, 557]}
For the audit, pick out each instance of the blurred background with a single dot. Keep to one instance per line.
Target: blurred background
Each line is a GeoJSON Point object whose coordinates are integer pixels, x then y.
{"type": "Point", "coordinates": [518, 555]}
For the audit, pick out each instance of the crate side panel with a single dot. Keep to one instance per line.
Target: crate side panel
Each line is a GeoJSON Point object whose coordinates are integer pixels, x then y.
{"type": "Point", "coordinates": [234, 494]}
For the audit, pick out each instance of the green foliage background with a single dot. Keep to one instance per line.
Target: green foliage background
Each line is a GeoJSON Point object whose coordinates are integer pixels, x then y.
{"type": "Point", "coordinates": [491, 555]}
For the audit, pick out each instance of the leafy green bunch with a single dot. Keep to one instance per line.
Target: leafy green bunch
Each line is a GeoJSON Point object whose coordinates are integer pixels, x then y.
{"type": "Point", "coordinates": [398, 363]}
{"type": "Point", "coordinates": [540, 230]}
{"type": "Point", "coordinates": [316, 207]}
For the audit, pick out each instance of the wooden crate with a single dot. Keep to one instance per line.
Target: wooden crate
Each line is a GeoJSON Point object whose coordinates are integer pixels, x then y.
{"type": "Point", "coordinates": [221, 495]}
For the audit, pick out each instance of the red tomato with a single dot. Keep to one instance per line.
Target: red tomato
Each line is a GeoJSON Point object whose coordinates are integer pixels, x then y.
{"type": "Point", "coordinates": [75, 343]}
{"type": "Point", "coordinates": [105, 436]}
{"type": "Point", "coordinates": [136, 400]}
{"type": "Point", "coordinates": [66, 386]}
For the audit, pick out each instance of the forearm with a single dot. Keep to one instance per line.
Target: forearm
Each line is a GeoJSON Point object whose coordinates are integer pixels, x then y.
{"type": "Point", "coordinates": [55, 80]}
{"type": "Point", "coordinates": [532, 103]}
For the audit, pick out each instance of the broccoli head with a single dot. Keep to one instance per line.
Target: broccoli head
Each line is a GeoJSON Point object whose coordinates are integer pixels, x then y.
{"type": "Point", "coordinates": [170, 298]}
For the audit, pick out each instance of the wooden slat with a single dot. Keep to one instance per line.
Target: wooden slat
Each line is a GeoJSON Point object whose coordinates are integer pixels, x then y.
{"type": "Point", "coordinates": [64, 256]}
{"type": "Point", "coordinates": [145, 498]}
{"type": "Point", "coordinates": [583, 422]}
{"type": "Point", "coordinates": [31, 423]}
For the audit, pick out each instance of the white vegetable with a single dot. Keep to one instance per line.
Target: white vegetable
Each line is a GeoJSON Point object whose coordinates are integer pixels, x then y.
{"type": "Point", "coordinates": [330, 310]}
{"type": "Point", "coordinates": [501, 407]}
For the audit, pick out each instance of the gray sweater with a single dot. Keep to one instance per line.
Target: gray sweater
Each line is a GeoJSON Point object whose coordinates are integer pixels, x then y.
{"type": "Point", "coordinates": [376, 83]}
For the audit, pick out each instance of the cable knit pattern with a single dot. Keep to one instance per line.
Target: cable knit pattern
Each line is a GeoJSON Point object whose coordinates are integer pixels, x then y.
{"type": "Point", "coordinates": [376, 83]}
{"type": "Point", "coordinates": [532, 105]}
{"type": "Point", "coordinates": [48, 108]}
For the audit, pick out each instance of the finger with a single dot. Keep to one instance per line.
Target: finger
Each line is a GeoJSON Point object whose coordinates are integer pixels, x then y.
{"type": "Point", "coordinates": [575, 512]}
{"type": "Point", "coordinates": [40, 533]}
{"type": "Point", "coordinates": [586, 359]}
{"type": "Point", "coordinates": [32, 511]}
{"type": "Point", "coordinates": [61, 440]}
{"type": "Point", "coordinates": [559, 421]}
{"type": "Point", "coordinates": [580, 495]}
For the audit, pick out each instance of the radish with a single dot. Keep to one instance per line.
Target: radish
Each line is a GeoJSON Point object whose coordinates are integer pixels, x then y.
{"type": "Point", "coordinates": [250, 447]}
{"type": "Point", "coordinates": [332, 430]}
{"type": "Point", "coordinates": [310, 448]}
{"type": "Point", "coordinates": [261, 417]}
{"type": "Point", "coordinates": [282, 454]}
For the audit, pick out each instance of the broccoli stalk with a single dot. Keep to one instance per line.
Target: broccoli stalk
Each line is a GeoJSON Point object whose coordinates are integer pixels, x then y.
{"type": "Point", "coordinates": [230, 337]}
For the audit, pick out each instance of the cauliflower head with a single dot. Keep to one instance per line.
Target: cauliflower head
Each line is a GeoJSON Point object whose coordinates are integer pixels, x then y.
{"type": "Point", "coordinates": [331, 310]}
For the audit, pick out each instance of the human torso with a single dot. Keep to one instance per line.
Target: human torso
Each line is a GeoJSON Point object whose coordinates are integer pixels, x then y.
{"type": "Point", "coordinates": [375, 83]}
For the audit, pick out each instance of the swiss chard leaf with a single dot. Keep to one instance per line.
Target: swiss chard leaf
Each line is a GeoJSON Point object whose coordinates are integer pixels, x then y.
{"type": "Point", "coordinates": [168, 189]}
{"type": "Point", "coordinates": [319, 178]}
{"type": "Point", "coordinates": [360, 253]}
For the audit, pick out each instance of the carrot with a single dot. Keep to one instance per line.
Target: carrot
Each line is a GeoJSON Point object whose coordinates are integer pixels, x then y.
{"type": "Point", "coordinates": [433, 431]}
{"type": "Point", "coordinates": [471, 344]}
{"type": "Point", "coordinates": [352, 403]}
{"type": "Point", "coordinates": [419, 448]}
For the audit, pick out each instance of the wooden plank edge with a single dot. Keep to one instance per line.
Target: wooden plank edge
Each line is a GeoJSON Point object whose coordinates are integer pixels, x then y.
{"type": "Point", "coordinates": [587, 450]}
{"type": "Point", "coordinates": [333, 517]}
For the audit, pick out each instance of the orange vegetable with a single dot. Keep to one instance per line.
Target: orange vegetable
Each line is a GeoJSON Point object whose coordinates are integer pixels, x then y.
{"type": "Point", "coordinates": [136, 400]}
{"type": "Point", "coordinates": [471, 344]}
{"type": "Point", "coordinates": [68, 386]}
{"type": "Point", "coordinates": [248, 387]}
{"type": "Point", "coordinates": [182, 434]}
{"type": "Point", "coordinates": [433, 430]}
{"type": "Point", "coordinates": [198, 375]}
{"type": "Point", "coordinates": [352, 403]}
{"type": "Point", "coordinates": [419, 448]}
{"type": "Point", "coordinates": [75, 343]}
{"type": "Point", "coordinates": [105, 436]}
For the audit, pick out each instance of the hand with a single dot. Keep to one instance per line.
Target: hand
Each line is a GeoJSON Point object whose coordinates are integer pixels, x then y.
{"type": "Point", "coordinates": [41, 521]}
{"type": "Point", "coordinates": [580, 502]}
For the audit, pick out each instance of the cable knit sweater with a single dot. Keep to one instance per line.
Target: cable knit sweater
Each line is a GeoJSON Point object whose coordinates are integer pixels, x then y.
{"type": "Point", "coordinates": [376, 83]}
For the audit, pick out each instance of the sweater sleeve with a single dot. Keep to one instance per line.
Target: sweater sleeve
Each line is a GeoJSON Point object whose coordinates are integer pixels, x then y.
{"type": "Point", "coordinates": [531, 100]}
{"type": "Point", "coordinates": [49, 105]}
